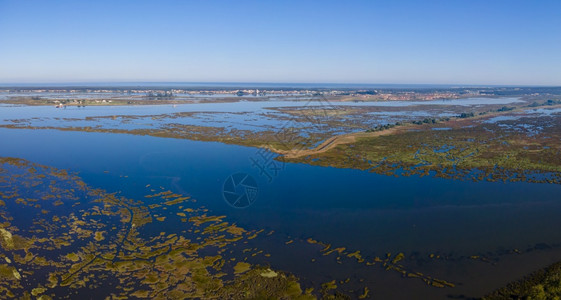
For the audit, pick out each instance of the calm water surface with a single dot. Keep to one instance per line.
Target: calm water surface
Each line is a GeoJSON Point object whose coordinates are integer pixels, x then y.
{"type": "Point", "coordinates": [359, 210]}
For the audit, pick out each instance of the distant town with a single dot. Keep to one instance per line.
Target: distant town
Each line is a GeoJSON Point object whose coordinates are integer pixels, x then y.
{"type": "Point", "coordinates": [104, 95]}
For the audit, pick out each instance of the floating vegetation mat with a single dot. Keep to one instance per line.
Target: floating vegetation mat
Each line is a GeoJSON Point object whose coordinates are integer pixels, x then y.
{"type": "Point", "coordinates": [63, 239]}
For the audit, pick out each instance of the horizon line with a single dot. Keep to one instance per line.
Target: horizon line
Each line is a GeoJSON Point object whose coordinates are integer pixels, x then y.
{"type": "Point", "coordinates": [261, 83]}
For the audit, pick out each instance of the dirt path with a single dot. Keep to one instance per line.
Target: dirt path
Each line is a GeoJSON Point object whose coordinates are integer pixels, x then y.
{"type": "Point", "coordinates": [334, 141]}
{"type": "Point", "coordinates": [349, 138]}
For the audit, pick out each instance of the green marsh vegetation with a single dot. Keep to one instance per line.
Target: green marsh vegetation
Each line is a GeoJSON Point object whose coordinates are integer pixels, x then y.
{"type": "Point", "coordinates": [524, 148]}
{"type": "Point", "coordinates": [542, 285]}
{"type": "Point", "coordinates": [83, 239]}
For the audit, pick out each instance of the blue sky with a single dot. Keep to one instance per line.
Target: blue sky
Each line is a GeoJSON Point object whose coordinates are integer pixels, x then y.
{"type": "Point", "coordinates": [409, 42]}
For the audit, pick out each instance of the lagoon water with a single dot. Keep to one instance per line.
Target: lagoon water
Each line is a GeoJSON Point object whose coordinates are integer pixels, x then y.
{"type": "Point", "coordinates": [358, 209]}
{"type": "Point", "coordinates": [15, 112]}
{"type": "Point", "coordinates": [373, 213]}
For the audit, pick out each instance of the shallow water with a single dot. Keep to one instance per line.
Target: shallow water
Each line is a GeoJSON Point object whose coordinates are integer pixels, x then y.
{"type": "Point", "coordinates": [251, 116]}
{"type": "Point", "coordinates": [359, 210]}
{"type": "Point", "coordinates": [501, 118]}
{"type": "Point", "coordinates": [25, 112]}
{"type": "Point", "coordinates": [298, 189]}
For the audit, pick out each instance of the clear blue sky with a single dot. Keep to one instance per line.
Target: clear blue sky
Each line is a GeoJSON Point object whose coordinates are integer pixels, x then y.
{"type": "Point", "coordinates": [442, 42]}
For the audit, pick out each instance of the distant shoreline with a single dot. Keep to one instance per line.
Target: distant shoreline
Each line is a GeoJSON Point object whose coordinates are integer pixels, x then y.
{"type": "Point", "coordinates": [158, 95]}
{"type": "Point", "coordinates": [235, 85]}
